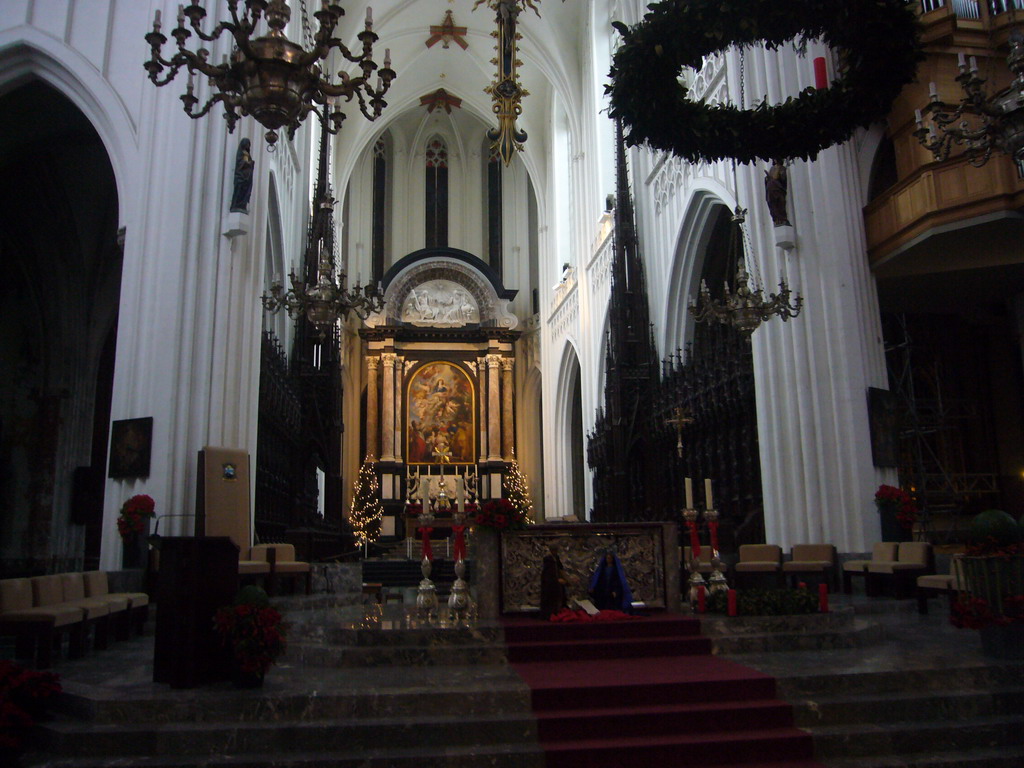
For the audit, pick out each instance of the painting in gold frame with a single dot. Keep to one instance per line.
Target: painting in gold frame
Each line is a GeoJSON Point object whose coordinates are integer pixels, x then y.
{"type": "Point", "coordinates": [441, 413]}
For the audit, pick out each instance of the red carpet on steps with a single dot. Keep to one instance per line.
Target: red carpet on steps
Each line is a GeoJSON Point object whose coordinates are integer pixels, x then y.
{"type": "Point", "coordinates": [647, 693]}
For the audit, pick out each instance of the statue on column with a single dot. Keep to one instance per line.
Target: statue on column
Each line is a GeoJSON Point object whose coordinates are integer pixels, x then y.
{"type": "Point", "coordinates": [244, 165]}
{"type": "Point", "coordinates": [776, 190]}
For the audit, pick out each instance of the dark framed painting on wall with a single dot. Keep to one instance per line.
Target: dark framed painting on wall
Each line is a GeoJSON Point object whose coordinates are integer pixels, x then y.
{"type": "Point", "coordinates": [130, 443]}
{"type": "Point", "coordinates": [882, 424]}
{"type": "Point", "coordinates": [441, 423]}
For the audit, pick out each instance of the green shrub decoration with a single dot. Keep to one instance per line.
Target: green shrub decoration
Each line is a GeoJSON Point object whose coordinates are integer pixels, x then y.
{"type": "Point", "coordinates": [766, 602]}
{"type": "Point", "coordinates": [252, 595]}
{"type": "Point", "coordinates": [993, 526]}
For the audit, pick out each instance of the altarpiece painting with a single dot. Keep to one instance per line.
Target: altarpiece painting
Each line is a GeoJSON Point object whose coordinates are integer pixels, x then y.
{"type": "Point", "coordinates": [441, 408]}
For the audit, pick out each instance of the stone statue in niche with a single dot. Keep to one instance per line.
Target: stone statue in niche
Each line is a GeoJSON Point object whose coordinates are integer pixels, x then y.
{"type": "Point", "coordinates": [440, 303]}
{"type": "Point", "coordinates": [776, 189]}
{"type": "Point", "coordinates": [244, 165]}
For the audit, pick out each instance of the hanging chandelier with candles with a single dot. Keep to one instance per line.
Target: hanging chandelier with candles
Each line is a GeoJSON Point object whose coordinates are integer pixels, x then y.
{"type": "Point", "coordinates": [277, 81]}
{"type": "Point", "coordinates": [979, 123]}
{"type": "Point", "coordinates": [745, 306]}
{"type": "Point", "coordinates": [326, 302]}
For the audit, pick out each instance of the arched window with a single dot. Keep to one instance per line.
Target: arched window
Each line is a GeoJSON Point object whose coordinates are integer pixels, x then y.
{"type": "Point", "coordinates": [494, 207]}
{"type": "Point", "coordinates": [437, 194]}
{"type": "Point", "coordinates": [379, 234]}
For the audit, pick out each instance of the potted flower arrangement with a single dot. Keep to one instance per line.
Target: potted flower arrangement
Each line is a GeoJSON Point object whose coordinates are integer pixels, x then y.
{"type": "Point", "coordinates": [992, 572]}
{"type": "Point", "coordinates": [897, 511]}
{"type": "Point", "coordinates": [501, 515]}
{"type": "Point", "coordinates": [253, 632]}
{"type": "Point", "coordinates": [24, 694]}
{"type": "Point", "coordinates": [132, 524]}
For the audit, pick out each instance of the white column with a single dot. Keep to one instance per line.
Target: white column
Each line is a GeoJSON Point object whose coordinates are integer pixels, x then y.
{"type": "Point", "coordinates": [387, 452]}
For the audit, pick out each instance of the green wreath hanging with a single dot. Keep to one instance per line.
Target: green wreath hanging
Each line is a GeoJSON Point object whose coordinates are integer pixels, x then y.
{"type": "Point", "coordinates": [878, 42]}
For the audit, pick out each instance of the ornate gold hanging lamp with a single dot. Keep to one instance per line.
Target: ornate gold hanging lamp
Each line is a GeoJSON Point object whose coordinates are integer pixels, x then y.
{"type": "Point", "coordinates": [277, 81]}
{"type": "Point", "coordinates": [744, 306]}
{"type": "Point", "coordinates": [506, 90]}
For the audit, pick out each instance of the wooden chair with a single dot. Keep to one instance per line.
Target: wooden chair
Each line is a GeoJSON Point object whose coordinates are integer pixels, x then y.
{"type": "Point", "coordinates": [913, 559]}
{"type": "Point", "coordinates": [759, 561]}
{"type": "Point", "coordinates": [97, 585]}
{"type": "Point", "coordinates": [881, 552]}
{"type": "Point", "coordinates": [37, 628]}
{"type": "Point", "coordinates": [933, 584]}
{"type": "Point", "coordinates": [281, 560]}
{"type": "Point", "coordinates": [103, 611]}
{"type": "Point", "coordinates": [811, 560]}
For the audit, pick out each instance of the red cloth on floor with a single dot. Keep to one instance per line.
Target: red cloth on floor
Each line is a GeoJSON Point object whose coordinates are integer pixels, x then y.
{"type": "Point", "coordinates": [567, 615]}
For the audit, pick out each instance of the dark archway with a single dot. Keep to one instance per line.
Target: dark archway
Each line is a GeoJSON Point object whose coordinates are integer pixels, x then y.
{"type": "Point", "coordinates": [58, 309]}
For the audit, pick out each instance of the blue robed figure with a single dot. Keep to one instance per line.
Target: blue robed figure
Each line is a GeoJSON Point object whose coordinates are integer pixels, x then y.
{"type": "Point", "coordinates": [608, 586]}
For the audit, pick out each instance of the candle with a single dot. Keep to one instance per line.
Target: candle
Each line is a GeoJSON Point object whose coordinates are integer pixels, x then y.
{"type": "Point", "coordinates": [974, 65]}
{"type": "Point", "coordinates": [369, 16]}
{"type": "Point", "coordinates": [387, 58]}
{"type": "Point", "coordinates": [700, 599]}
{"type": "Point", "coordinates": [961, 60]}
{"type": "Point", "coordinates": [191, 84]}
{"type": "Point", "coordinates": [181, 15]}
{"type": "Point", "coordinates": [689, 493]}
{"type": "Point", "coordinates": [707, 493]}
{"type": "Point", "coordinates": [156, 21]}
{"type": "Point", "coordinates": [460, 492]}
{"type": "Point", "coordinates": [933, 91]}
{"type": "Point", "coordinates": [820, 73]}
{"type": "Point", "coordinates": [917, 117]}
{"type": "Point", "coordinates": [823, 598]}
{"type": "Point", "coordinates": [732, 602]}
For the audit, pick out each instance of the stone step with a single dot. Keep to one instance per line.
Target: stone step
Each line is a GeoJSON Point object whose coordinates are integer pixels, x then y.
{"type": "Point", "coordinates": [995, 757]}
{"type": "Point", "coordinates": [332, 656]}
{"type": "Point", "coordinates": [952, 677]}
{"type": "Point", "coordinates": [491, 755]}
{"type": "Point", "coordinates": [908, 706]}
{"type": "Point", "coordinates": [860, 633]}
{"type": "Point", "coordinates": [428, 731]}
{"type": "Point", "coordinates": [902, 738]}
{"type": "Point", "coordinates": [463, 689]}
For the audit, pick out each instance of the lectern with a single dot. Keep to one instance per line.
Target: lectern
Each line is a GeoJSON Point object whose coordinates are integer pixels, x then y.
{"type": "Point", "coordinates": [197, 576]}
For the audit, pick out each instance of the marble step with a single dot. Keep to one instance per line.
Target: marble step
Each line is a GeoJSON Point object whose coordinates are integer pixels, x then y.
{"type": "Point", "coordinates": [908, 706]}
{"type": "Point", "coordinates": [903, 738]}
{"type": "Point", "coordinates": [952, 677]}
{"type": "Point", "coordinates": [995, 757]}
{"type": "Point", "coordinates": [490, 756]}
{"type": "Point", "coordinates": [860, 633]}
{"type": "Point", "coordinates": [461, 689]}
{"type": "Point", "coordinates": [429, 731]}
{"type": "Point", "coordinates": [338, 657]}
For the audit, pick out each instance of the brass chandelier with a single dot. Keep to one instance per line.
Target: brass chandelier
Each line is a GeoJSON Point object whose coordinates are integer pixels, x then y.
{"type": "Point", "coordinates": [277, 81]}
{"type": "Point", "coordinates": [744, 307]}
{"type": "Point", "coordinates": [326, 302]}
{"type": "Point", "coordinates": [979, 123]}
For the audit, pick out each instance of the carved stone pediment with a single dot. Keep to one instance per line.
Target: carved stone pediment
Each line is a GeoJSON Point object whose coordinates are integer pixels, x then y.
{"type": "Point", "coordinates": [443, 292]}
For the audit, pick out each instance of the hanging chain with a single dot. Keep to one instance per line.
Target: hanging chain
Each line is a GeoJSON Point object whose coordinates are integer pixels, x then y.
{"type": "Point", "coordinates": [307, 33]}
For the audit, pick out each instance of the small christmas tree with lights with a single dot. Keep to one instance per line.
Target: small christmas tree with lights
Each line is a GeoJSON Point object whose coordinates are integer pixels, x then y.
{"type": "Point", "coordinates": [366, 512]}
{"type": "Point", "coordinates": [517, 491]}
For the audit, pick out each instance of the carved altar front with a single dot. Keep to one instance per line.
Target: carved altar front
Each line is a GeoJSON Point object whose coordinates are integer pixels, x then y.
{"type": "Point", "coordinates": [648, 551]}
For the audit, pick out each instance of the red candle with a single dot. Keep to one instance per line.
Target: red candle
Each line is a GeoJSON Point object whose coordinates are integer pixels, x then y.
{"type": "Point", "coordinates": [700, 599]}
{"type": "Point", "coordinates": [823, 598]}
{"type": "Point", "coordinates": [732, 602]}
{"type": "Point", "coordinates": [694, 541]}
{"type": "Point", "coordinates": [820, 73]}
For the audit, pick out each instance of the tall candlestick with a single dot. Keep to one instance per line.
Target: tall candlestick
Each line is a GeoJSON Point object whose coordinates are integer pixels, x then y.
{"type": "Point", "coordinates": [689, 493]}
{"type": "Point", "coordinates": [707, 493]}
{"type": "Point", "coordinates": [460, 492]}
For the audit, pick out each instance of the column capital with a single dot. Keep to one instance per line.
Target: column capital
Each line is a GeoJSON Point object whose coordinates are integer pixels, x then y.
{"type": "Point", "coordinates": [507, 363]}
{"type": "Point", "coordinates": [388, 359]}
{"type": "Point", "coordinates": [493, 361]}
{"type": "Point", "coordinates": [371, 362]}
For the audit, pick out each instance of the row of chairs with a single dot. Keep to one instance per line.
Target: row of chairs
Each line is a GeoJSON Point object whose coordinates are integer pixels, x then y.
{"type": "Point", "coordinates": [764, 562]}
{"type": "Point", "coordinates": [37, 611]}
{"type": "Point", "coordinates": [894, 567]}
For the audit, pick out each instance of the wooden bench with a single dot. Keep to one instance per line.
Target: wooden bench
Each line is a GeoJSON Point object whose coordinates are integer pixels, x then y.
{"type": "Point", "coordinates": [97, 585]}
{"type": "Point", "coordinates": [899, 577]}
{"type": "Point", "coordinates": [811, 560]}
{"type": "Point", "coordinates": [280, 559]}
{"type": "Point", "coordinates": [37, 628]}
{"type": "Point", "coordinates": [762, 561]}
{"type": "Point", "coordinates": [882, 551]}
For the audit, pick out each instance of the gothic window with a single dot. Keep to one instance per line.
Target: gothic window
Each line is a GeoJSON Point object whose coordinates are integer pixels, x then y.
{"type": "Point", "coordinates": [437, 194]}
{"type": "Point", "coordinates": [378, 234]}
{"type": "Point", "coordinates": [494, 208]}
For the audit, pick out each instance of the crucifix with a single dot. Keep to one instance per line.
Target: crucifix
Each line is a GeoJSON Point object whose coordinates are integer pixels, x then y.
{"type": "Point", "coordinates": [679, 420]}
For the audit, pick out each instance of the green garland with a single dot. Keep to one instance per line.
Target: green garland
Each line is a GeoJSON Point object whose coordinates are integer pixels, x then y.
{"type": "Point", "coordinates": [878, 42]}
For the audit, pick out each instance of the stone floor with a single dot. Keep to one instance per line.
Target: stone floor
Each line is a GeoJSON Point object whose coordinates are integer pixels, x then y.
{"type": "Point", "coordinates": [119, 680]}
